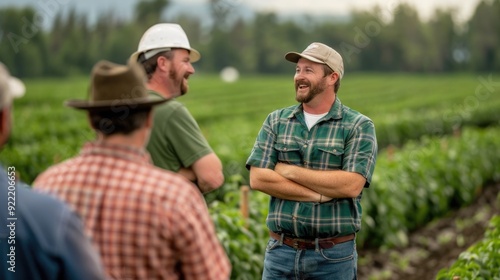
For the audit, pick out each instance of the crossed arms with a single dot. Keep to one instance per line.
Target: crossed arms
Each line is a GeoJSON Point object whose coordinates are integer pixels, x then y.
{"type": "Point", "coordinates": [206, 173]}
{"type": "Point", "coordinates": [292, 182]}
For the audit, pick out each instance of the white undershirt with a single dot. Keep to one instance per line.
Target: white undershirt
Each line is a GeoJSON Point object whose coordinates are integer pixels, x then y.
{"type": "Point", "coordinates": [312, 119]}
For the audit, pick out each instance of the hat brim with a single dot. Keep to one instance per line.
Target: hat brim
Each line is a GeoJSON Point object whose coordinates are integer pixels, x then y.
{"type": "Point", "coordinates": [16, 87]}
{"type": "Point", "coordinates": [113, 105]}
{"type": "Point", "coordinates": [194, 55]}
{"type": "Point", "coordinates": [134, 57]}
{"type": "Point", "coordinates": [295, 56]}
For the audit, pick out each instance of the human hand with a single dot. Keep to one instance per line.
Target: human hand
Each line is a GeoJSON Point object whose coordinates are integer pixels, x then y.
{"type": "Point", "coordinates": [324, 198]}
{"type": "Point", "coordinates": [284, 169]}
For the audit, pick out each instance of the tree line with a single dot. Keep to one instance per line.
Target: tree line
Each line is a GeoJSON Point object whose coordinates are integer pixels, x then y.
{"type": "Point", "coordinates": [379, 39]}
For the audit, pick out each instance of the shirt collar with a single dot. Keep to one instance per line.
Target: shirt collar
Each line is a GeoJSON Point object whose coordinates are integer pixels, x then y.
{"type": "Point", "coordinates": [115, 150]}
{"type": "Point", "coordinates": [155, 93]}
{"type": "Point", "coordinates": [334, 113]}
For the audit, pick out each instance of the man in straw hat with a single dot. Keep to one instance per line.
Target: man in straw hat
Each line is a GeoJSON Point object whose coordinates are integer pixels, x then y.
{"type": "Point", "coordinates": [147, 223]}
{"type": "Point", "coordinates": [313, 159]}
{"type": "Point", "coordinates": [40, 236]}
{"type": "Point", "coordinates": [176, 143]}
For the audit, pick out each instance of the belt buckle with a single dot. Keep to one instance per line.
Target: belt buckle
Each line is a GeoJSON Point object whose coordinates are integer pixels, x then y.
{"type": "Point", "coordinates": [295, 244]}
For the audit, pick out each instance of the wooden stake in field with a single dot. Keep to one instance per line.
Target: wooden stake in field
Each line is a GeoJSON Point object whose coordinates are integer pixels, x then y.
{"type": "Point", "coordinates": [244, 190]}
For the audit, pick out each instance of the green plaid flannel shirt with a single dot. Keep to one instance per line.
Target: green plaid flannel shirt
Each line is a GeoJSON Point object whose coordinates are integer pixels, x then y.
{"type": "Point", "coordinates": [342, 140]}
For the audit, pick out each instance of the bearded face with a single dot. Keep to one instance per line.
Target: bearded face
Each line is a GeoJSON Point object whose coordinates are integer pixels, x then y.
{"type": "Point", "coordinates": [310, 80]}
{"type": "Point", "coordinates": [179, 81]}
{"type": "Point", "coordinates": [305, 90]}
{"type": "Point", "coordinates": [179, 72]}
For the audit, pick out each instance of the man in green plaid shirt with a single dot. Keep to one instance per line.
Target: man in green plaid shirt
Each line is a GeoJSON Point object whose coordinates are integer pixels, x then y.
{"type": "Point", "coordinates": [314, 159]}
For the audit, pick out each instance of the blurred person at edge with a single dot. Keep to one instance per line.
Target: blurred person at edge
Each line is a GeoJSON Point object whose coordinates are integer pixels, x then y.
{"type": "Point", "coordinates": [147, 222]}
{"type": "Point", "coordinates": [177, 143]}
{"type": "Point", "coordinates": [40, 236]}
{"type": "Point", "coordinates": [314, 159]}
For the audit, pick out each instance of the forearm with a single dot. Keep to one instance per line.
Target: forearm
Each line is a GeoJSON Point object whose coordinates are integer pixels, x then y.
{"type": "Point", "coordinates": [206, 183]}
{"type": "Point", "coordinates": [188, 173]}
{"type": "Point", "coordinates": [208, 172]}
{"type": "Point", "coordinates": [331, 183]}
{"type": "Point", "coordinates": [273, 184]}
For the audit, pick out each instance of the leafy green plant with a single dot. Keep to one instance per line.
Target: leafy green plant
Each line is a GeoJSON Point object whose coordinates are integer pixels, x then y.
{"type": "Point", "coordinates": [242, 237]}
{"type": "Point", "coordinates": [424, 173]}
{"type": "Point", "coordinates": [420, 182]}
{"type": "Point", "coordinates": [480, 261]}
{"type": "Point", "coordinates": [425, 180]}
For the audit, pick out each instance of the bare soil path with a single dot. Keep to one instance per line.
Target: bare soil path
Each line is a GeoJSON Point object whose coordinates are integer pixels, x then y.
{"type": "Point", "coordinates": [435, 246]}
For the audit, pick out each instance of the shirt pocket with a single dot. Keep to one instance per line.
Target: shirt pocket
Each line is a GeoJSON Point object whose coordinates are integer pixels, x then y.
{"type": "Point", "coordinates": [330, 157]}
{"type": "Point", "coordinates": [288, 153]}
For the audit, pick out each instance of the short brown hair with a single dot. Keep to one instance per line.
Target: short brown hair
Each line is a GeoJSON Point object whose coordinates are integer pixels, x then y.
{"type": "Point", "coordinates": [328, 71]}
{"type": "Point", "coordinates": [151, 63]}
{"type": "Point", "coordinates": [123, 121]}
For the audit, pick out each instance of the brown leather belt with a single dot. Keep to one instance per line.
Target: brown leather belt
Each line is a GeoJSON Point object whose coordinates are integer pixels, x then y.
{"type": "Point", "coordinates": [304, 244]}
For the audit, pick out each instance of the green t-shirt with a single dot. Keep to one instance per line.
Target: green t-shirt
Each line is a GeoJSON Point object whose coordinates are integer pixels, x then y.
{"type": "Point", "coordinates": [176, 140]}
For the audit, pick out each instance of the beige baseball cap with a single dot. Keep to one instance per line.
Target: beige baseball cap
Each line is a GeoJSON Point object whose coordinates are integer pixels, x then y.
{"type": "Point", "coordinates": [10, 87]}
{"type": "Point", "coordinates": [320, 53]}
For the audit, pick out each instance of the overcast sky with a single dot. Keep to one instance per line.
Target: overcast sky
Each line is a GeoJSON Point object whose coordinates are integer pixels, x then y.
{"type": "Point", "coordinates": [464, 8]}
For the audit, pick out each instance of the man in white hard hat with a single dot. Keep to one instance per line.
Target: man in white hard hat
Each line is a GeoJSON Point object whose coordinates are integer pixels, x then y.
{"type": "Point", "coordinates": [176, 142]}
{"type": "Point", "coordinates": [40, 236]}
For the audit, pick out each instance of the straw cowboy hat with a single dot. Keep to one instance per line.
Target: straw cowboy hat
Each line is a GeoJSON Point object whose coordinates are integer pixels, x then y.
{"type": "Point", "coordinates": [113, 86]}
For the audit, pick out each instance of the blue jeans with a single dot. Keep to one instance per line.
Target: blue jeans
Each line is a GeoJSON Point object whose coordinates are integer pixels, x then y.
{"type": "Point", "coordinates": [284, 262]}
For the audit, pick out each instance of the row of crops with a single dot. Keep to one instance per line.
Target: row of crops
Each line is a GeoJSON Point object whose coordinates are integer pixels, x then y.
{"type": "Point", "coordinates": [417, 183]}
{"type": "Point", "coordinates": [481, 260]}
{"type": "Point", "coordinates": [437, 137]}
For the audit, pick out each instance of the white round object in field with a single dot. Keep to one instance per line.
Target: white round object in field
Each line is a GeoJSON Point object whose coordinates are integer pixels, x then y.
{"type": "Point", "coordinates": [229, 74]}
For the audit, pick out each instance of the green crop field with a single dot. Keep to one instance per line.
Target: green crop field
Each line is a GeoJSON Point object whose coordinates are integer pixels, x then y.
{"type": "Point", "coordinates": [230, 114]}
{"type": "Point", "coordinates": [443, 132]}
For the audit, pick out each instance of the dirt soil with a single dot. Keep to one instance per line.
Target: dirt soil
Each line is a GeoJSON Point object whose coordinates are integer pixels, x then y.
{"type": "Point", "coordinates": [435, 246]}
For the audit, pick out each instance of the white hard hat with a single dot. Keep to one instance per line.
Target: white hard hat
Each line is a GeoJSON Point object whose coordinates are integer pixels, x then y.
{"type": "Point", "coordinates": [162, 37]}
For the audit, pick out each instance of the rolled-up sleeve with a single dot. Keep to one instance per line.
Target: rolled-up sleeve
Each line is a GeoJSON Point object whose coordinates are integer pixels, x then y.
{"type": "Point", "coordinates": [263, 154]}
{"type": "Point", "coordinates": [361, 150]}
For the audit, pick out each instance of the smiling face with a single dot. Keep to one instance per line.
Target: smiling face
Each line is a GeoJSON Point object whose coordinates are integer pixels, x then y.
{"type": "Point", "coordinates": [180, 71]}
{"type": "Point", "coordinates": [309, 79]}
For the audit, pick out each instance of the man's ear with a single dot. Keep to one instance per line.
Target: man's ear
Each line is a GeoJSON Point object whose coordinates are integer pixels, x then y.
{"type": "Point", "coordinates": [149, 120]}
{"type": "Point", "coordinates": [333, 77]}
{"type": "Point", "coordinates": [90, 121]}
{"type": "Point", "coordinates": [163, 63]}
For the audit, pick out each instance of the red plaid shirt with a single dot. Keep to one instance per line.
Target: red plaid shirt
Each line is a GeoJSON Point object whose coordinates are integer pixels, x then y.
{"type": "Point", "coordinates": [147, 223]}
